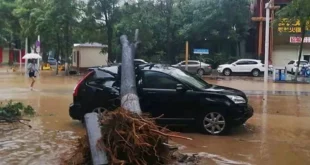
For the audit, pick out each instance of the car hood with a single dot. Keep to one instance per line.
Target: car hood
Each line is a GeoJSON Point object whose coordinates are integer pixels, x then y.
{"type": "Point", "coordinates": [225, 65]}
{"type": "Point", "coordinates": [225, 90]}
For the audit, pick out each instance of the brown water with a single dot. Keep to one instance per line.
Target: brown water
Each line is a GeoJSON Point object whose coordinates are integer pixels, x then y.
{"type": "Point", "coordinates": [278, 133]}
{"type": "Point", "coordinates": [53, 133]}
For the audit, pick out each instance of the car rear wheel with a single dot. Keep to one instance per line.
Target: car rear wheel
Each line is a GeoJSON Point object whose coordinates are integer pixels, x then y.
{"type": "Point", "coordinates": [227, 72]}
{"type": "Point", "coordinates": [200, 72]}
{"type": "Point", "coordinates": [99, 110]}
{"type": "Point", "coordinates": [255, 73]}
{"type": "Point", "coordinates": [214, 123]}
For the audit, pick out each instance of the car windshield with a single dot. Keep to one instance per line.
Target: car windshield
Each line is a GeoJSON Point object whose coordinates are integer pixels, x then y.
{"type": "Point", "coordinates": [190, 78]}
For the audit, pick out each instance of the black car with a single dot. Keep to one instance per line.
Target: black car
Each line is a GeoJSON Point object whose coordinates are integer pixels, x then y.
{"type": "Point", "coordinates": [181, 97]}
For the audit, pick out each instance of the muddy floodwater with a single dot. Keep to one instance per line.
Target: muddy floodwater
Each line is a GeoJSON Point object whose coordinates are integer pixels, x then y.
{"type": "Point", "coordinates": [278, 133]}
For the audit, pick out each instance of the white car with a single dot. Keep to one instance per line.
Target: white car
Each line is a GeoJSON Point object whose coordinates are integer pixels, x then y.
{"type": "Point", "coordinates": [255, 67]}
{"type": "Point", "coordinates": [292, 65]}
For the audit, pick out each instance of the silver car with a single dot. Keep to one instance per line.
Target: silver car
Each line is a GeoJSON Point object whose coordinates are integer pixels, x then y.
{"type": "Point", "coordinates": [194, 66]}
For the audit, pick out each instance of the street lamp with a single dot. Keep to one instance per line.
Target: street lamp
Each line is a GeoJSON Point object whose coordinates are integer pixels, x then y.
{"type": "Point", "coordinates": [267, 6]}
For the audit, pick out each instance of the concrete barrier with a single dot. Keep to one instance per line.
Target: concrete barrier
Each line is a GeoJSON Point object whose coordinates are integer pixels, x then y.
{"type": "Point", "coordinates": [99, 157]}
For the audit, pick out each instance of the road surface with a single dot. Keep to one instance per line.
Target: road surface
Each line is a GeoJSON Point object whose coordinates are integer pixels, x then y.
{"type": "Point", "coordinates": [278, 133]}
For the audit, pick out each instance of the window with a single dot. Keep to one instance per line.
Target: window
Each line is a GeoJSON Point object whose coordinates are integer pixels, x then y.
{"type": "Point", "coordinates": [242, 63]}
{"type": "Point", "coordinates": [101, 83]}
{"type": "Point", "coordinates": [138, 62]}
{"type": "Point", "coordinates": [182, 63]}
{"type": "Point", "coordinates": [291, 62]}
{"type": "Point", "coordinates": [247, 63]}
{"type": "Point", "coordinates": [189, 78]}
{"type": "Point", "coordinates": [158, 80]}
{"type": "Point", "coordinates": [252, 62]}
{"type": "Point", "coordinates": [192, 63]}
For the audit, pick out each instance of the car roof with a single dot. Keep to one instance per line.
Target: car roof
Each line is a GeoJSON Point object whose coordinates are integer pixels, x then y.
{"type": "Point", "coordinates": [191, 61]}
{"type": "Point", "coordinates": [154, 67]}
{"type": "Point", "coordinates": [248, 60]}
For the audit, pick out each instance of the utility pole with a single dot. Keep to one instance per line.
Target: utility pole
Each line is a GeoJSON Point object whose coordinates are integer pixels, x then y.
{"type": "Point", "coordinates": [267, 35]}
{"type": "Point", "coordinates": [186, 56]}
{"type": "Point", "coordinates": [261, 19]}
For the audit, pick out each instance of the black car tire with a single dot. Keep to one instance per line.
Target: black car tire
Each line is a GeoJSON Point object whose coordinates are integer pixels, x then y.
{"type": "Point", "coordinates": [255, 72]}
{"type": "Point", "coordinates": [226, 72]}
{"type": "Point", "coordinates": [98, 109]}
{"type": "Point", "coordinates": [220, 126]}
{"type": "Point", "coordinates": [200, 72]}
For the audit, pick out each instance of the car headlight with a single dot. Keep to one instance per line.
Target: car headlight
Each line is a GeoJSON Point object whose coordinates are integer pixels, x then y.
{"type": "Point", "coordinates": [236, 99]}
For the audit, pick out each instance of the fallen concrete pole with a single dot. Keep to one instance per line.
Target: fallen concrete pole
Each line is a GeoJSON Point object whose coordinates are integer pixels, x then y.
{"type": "Point", "coordinates": [99, 157]}
{"type": "Point", "coordinates": [129, 100]}
{"type": "Point", "coordinates": [129, 97]}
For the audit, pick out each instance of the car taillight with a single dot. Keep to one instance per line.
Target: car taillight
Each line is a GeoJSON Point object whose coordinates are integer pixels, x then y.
{"type": "Point", "coordinates": [76, 88]}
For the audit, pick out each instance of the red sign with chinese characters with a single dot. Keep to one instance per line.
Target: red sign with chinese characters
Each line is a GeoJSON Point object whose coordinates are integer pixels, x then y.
{"type": "Point", "coordinates": [297, 40]}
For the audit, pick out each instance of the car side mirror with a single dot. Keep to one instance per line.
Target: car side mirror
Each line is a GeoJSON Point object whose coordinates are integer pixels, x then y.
{"type": "Point", "coordinates": [180, 88]}
{"type": "Point", "coordinates": [234, 64]}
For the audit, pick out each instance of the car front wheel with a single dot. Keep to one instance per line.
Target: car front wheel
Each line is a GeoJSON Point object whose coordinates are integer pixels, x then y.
{"type": "Point", "coordinates": [214, 123]}
{"type": "Point", "coordinates": [227, 72]}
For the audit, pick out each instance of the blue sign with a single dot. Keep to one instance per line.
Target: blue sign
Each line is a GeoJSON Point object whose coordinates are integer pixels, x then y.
{"type": "Point", "coordinates": [201, 51]}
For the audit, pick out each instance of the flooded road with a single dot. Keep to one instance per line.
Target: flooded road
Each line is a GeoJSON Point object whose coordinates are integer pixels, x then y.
{"type": "Point", "coordinates": [278, 133]}
{"type": "Point", "coordinates": [53, 132]}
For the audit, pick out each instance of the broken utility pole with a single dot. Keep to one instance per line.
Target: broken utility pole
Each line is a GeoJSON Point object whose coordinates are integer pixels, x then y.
{"type": "Point", "coordinates": [129, 97]}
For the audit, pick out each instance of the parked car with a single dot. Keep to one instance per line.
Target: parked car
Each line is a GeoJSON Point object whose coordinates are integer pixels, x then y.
{"type": "Point", "coordinates": [52, 61]}
{"type": "Point", "coordinates": [139, 61]}
{"type": "Point", "coordinates": [136, 62]}
{"type": "Point", "coordinates": [254, 67]}
{"type": "Point", "coordinates": [292, 65]}
{"type": "Point", "coordinates": [194, 66]}
{"type": "Point", "coordinates": [182, 98]}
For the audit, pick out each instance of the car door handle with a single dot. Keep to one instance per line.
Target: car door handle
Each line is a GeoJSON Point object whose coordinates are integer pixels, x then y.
{"type": "Point", "coordinates": [150, 92]}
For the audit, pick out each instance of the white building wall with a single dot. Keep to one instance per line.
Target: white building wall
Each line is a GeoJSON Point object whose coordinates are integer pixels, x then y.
{"type": "Point", "coordinates": [92, 57]}
{"type": "Point", "coordinates": [282, 54]}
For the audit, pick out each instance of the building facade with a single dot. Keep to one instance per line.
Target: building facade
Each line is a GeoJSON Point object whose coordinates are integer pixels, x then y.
{"type": "Point", "coordinates": [284, 38]}
{"type": "Point", "coordinates": [8, 56]}
{"type": "Point", "coordinates": [89, 55]}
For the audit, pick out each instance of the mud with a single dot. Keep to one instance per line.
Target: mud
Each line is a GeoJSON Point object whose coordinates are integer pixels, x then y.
{"type": "Point", "coordinates": [278, 133]}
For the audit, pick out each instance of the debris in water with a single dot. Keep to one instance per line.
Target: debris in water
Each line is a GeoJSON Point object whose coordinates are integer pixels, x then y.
{"type": "Point", "coordinates": [12, 112]}
{"type": "Point", "coordinates": [129, 138]}
{"type": "Point", "coordinates": [80, 156]}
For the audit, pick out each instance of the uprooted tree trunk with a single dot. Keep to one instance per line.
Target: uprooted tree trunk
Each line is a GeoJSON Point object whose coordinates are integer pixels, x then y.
{"type": "Point", "coordinates": [129, 98]}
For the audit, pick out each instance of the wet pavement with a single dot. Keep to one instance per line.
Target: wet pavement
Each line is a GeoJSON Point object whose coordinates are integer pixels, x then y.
{"type": "Point", "coordinates": [278, 133]}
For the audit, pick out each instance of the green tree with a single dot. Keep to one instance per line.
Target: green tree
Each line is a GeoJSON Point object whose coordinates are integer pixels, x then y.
{"type": "Point", "coordinates": [105, 13]}
{"type": "Point", "coordinates": [297, 10]}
